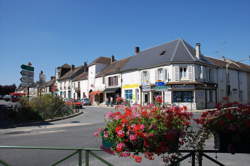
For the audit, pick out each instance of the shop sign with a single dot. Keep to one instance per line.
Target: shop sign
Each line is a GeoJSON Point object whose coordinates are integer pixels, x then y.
{"type": "Point", "coordinates": [146, 88]}
{"type": "Point", "coordinates": [130, 86]}
{"type": "Point", "coordinates": [160, 88]}
{"type": "Point", "coordinates": [159, 83]}
{"type": "Point", "coordinates": [183, 86]}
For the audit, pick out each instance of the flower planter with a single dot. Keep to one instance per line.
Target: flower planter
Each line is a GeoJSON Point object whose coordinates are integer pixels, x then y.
{"type": "Point", "coordinates": [232, 142]}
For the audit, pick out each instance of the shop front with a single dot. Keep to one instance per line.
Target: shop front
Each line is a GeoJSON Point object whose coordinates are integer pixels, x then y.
{"type": "Point", "coordinates": [194, 95]}
{"type": "Point", "coordinates": [150, 92]}
{"type": "Point", "coordinates": [131, 93]}
{"type": "Point", "coordinates": [96, 97]}
{"type": "Point", "coordinates": [110, 95]}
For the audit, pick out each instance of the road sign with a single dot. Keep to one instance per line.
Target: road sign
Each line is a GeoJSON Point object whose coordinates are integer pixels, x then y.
{"type": "Point", "coordinates": [25, 84]}
{"type": "Point", "coordinates": [25, 79]}
{"type": "Point", "coordinates": [26, 67]}
{"type": "Point", "coordinates": [27, 73]}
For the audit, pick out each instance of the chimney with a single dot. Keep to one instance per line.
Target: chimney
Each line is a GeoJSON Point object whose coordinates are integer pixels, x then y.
{"type": "Point", "coordinates": [113, 59]}
{"type": "Point", "coordinates": [137, 50]}
{"type": "Point", "coordinates": [85, 67]}
{"type": "Point", "coordinates": [197, 50]}
{"type": "Point", "coordinates": [52, 77]}
{"type": "Point", "coordinates": [73, 67]}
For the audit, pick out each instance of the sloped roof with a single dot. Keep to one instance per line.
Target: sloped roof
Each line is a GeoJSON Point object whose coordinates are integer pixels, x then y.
{"type": "Point", "coordinates": [72, 73]}
{"type": "Point", "coordinates": [222, 63]}
{"type": "Point", "coordinates": [82, 76]}
{"type": "Point", "coordinates": [65, 66]}
{"type": "Point", "coordinates": [102, 60]}
{"type": "Point", "coordinates": [114, 67]}
{"type": "Point", "coordinates": [177, 51]}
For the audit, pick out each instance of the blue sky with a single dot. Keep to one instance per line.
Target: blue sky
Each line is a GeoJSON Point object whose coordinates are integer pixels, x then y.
{"type": "Point", "coordinates": [49, 33]}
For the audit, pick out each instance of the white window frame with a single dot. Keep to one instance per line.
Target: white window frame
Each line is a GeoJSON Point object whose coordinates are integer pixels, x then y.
{"type": "Point", "coordinates": [183, 73]}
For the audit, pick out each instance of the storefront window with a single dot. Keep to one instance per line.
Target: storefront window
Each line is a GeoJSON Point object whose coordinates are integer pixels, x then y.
{"type": "Point", "coordinates": [128, 94]}
{"type": "Point", "coordinates": [183, 96]}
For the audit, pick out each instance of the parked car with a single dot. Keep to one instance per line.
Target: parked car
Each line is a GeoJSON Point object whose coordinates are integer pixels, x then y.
{"type": "Point", "coordinates": [86, 101]}
{"type": "Point", "coordinates": [7, 97]}
{"type": "Point", "coordinates": [74, 103]}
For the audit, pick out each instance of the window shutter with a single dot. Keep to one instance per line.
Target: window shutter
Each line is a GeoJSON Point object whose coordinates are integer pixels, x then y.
{"type": "Point", "coordinates": [176, 73]}
{"type": "Point", "coordinates": [190, 72]}
{"type": "Point", "coordinates": [156, 75]}
{"type": "Point", "coordinates": [166, 75]}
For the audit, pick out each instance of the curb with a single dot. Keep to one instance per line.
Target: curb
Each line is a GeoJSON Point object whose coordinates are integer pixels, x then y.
{"type": "Point", "coordinates": [48, 120]}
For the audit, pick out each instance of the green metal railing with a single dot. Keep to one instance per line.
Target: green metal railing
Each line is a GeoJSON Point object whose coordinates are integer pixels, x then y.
{"type": "Point", "coordinates": [77, 151]}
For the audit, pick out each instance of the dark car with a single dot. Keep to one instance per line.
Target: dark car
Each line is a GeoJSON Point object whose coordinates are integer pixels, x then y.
{"type": "Point", "coordinates": [86, 101]}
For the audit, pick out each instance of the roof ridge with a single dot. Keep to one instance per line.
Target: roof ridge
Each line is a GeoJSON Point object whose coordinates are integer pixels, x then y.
{"type": "Point", "coordinates": [174, 53]}
{"type": "Point", "coordinates": [158, 46]}
{"type": "Point", "coordinates": [184, 44]}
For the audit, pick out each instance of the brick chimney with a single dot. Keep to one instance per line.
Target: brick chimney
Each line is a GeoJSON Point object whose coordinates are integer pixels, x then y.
{"type": "Point", "coordinates": [197, 50]}
{"type": "Point", "coordinates": [85, 67]}
{"type": "Point", "coordinates": [137, 50]}
{"type": "Point", "coordinates": [113, 59]}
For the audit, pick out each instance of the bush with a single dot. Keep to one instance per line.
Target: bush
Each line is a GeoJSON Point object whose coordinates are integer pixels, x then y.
{"type": "Point", "coordinates": [40, 108]}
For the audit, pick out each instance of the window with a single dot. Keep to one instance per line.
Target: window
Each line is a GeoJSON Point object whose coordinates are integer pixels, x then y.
{"type": "Point", "coordinates": [209, 74]}
{"type": "Point", "coordinates": [182, 96]}
{"type": "Point", "coordinates": [241, 95]}
{"type": "Point", "coordinates": [113, 81]}
{"type": "Point", "coordinates": [183, 73]}
{"type": "Point", "coordinates": [79, 85]}
{"type": "Point", "coordinates": [160, 74]}
{"type": "Point", "coordinates": [210, 96]}
{"type": "Point", "coordinates": [201, 72]}
{"type": "Point", "coordinates": [145, 77]}
{"type": "Point", "coordinates": [128, 94]}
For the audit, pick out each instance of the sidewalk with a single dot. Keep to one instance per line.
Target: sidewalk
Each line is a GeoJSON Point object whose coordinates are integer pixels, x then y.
{"type": "Point", "coordinates": [113, 107]}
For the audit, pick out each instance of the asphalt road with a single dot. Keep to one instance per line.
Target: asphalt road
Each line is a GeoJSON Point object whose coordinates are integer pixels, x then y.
{"type": "Point", "coordinates": [78, 132]}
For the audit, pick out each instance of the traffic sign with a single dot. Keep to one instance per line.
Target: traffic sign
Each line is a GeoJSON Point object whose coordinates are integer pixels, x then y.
{"type": "Point", "coordinates": [25, 79]}
{"type": "Point", "coordinates": [25, 84]}
{"type": "Point", "coordinates": [27, 73]}
{"type": "Point", "coordinates": [26, 67]}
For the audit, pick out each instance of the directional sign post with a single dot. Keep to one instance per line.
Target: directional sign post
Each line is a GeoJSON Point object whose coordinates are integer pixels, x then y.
{"type": "Point", "coordinates": [27, 67]}
{"type": "Point", "coordinates": [27, 78]}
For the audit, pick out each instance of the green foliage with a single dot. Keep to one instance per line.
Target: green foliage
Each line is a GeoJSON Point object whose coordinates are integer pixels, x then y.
{"type": "Point", "coordinates": [40, 108]}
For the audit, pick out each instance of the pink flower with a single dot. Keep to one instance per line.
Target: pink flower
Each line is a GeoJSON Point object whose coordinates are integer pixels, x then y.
{"type": "Point", "coordinates": [108, 115]}
{"type": "Point", "coordinates": [142, 126]}
{"type": "Point", "coordinates": [97, 133]}
{"type": "Point", "coordinates": [120, 133]}
{"type": "Point", "coordinates": [105, 134]}
{"type": "Point", "coordinates": [132, 137]}
{"type": "Point", "coordinates": [119, 147]}
{"type": "Point", "coordinates": [124, 154]}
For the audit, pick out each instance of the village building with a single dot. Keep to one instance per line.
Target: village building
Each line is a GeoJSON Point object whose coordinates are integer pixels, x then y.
{"type": "Point", "coordinates": [176, 71]}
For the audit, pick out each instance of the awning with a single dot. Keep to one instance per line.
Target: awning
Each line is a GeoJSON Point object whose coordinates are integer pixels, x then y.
{"type": "Point", "coordinates": [112, 90]}
{"type": "Point", "coordinates": [95, 92]}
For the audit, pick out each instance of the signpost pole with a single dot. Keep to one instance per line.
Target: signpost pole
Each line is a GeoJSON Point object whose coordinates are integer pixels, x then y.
{"type": "Point", "coordinates": [28, 93]}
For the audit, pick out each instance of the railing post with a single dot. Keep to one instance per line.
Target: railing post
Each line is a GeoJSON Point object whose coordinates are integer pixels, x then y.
{"type": "Point", "coordinates": [80, 157]}
{"type": "Point", "coordinates": [86, 157]}
{"type": "Point", "coordinates": [200, 158]}
{"type": "Point", "coordinates": [193, 158]}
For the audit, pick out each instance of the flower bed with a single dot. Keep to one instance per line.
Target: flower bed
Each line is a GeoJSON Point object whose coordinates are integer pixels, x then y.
{"type": "Point", "coordinates": [230, 124]}
{"type": "Point", "coordinates": [150, 130]}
